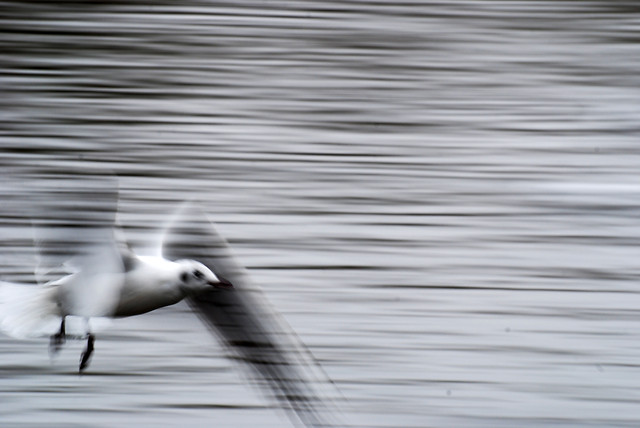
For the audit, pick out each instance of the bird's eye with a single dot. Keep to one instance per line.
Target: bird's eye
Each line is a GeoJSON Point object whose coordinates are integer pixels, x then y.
{"type": "Point", "coordinates": [198, 274]}
{"type": "Point", "coordinates": [184, 277]}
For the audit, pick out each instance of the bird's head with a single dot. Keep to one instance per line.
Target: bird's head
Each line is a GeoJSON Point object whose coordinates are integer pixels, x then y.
{"type": "Point", "coordinates": [195, 277]}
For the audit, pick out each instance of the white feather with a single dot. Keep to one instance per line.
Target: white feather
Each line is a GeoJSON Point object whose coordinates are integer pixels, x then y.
{"type": "Point", "coordinates": [28, 311]}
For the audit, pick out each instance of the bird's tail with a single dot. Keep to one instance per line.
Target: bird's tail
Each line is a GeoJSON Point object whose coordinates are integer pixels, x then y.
{"type": "Point", "coordinates": [28, 311]}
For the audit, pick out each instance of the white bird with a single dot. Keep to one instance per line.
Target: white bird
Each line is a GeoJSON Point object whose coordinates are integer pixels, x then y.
{"type": "Point", "coordinates": [108, 283]}
{"type": "Point", "coordinates": [101, 276]}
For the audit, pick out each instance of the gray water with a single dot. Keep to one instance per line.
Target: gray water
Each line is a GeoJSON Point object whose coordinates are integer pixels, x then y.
{"type": "Point", "coordinates": [441, 198]}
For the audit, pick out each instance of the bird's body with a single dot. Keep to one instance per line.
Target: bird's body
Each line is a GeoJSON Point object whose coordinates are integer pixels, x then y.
{"type": "Point", "coordinates": [152, 283]}
{"type": "Point", "coordinates": [105, 289]}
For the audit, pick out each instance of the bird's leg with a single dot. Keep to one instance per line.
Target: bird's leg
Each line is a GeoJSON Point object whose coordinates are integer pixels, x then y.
{"type": "Point", "coordinates": [86, 354]}
{"type": "Point", "coordinates": [58, 339]}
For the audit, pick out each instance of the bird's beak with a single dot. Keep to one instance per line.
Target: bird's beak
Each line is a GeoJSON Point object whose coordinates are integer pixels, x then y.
{"type": "Point", "coordinates": [221, 283]}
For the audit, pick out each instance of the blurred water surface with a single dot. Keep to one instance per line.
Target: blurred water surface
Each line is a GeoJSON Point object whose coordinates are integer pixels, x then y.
{"type": "Point", "coordinates": [442, 198]}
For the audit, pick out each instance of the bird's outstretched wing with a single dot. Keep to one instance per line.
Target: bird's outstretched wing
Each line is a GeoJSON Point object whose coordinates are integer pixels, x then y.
{"type": "Point", "coordinates": [247, 324]}
{"type": "Point", "coordinates": [73, 219]}
{"type": "Point", "coordinates": [70, 215]}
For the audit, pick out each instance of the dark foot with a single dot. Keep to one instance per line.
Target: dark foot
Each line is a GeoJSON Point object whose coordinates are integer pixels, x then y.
{"type": "Point", "coordinates": [86, 355]}
{"type": "Point", "coordinates": [57, 340]}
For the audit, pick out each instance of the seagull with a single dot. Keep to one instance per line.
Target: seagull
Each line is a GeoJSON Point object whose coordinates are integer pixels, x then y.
{"type": "Point", "coordinates": [107, 282]}
{"type": "Point", "coordinates": [149, 283]}
{"type": "Point", "coordinates": [87, 269]}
